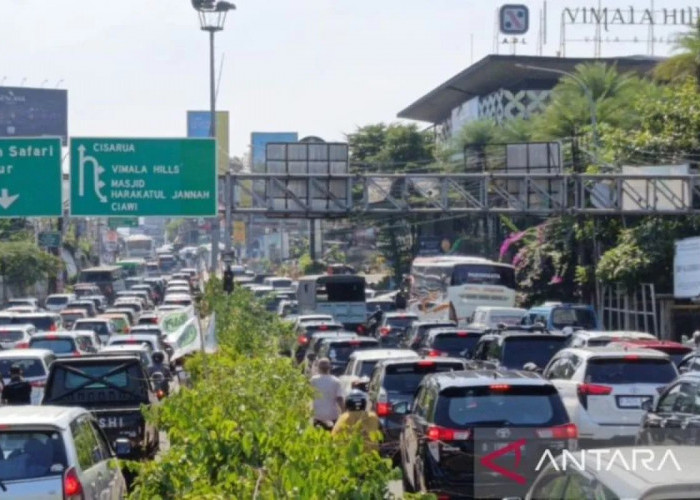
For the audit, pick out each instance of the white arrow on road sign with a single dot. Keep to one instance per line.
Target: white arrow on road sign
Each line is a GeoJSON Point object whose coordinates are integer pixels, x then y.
{"type": "Point", "coordinates": [6, 200]}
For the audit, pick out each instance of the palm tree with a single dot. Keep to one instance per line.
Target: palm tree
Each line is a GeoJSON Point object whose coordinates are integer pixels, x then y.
{"type": "Point", "coordinates": [685, 64]}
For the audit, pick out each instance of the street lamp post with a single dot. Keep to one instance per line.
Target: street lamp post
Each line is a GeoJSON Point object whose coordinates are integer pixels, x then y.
{"type": "Point", "coordinates": [212, 17]}
{"type": "Point", "coordinates": [588, 94]}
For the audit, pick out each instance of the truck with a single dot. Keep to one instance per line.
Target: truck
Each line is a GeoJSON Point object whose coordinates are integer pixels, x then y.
{"type": "Point", "coordinates": [113, 388]}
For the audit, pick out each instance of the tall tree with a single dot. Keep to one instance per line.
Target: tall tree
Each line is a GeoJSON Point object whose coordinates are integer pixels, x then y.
{"type": "Point", "coordinates": [684, 64]}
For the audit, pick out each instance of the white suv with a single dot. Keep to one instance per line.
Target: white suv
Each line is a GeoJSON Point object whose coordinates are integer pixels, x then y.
{"type": "Point", "coordinates": [56, 452]}
{"type": "Point", "coordinates": [604, 388]}
{"type": "Point", "coordinates": [596, 338]}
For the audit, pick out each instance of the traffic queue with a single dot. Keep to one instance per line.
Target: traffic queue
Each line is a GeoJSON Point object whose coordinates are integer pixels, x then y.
{"type": "Point", "coordinates": [487, 405]}
{"type": "Point", "coordinates": [78, 370]}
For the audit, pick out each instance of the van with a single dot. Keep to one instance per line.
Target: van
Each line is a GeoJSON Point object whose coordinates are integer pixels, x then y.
{"type": "Point", "coordinates": [556, 316]}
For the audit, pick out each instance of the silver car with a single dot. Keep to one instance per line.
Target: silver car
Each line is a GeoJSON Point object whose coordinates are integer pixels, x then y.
{"type": "Point", "coordinates": [56, 452]}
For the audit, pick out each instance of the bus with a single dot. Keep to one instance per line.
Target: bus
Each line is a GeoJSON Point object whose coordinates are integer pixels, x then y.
{"type": "Point", "coordinates": [452, 287]}
{"type": "Point", "coordinates": [341, 296]}
{"type": "Point", "coordinates": [109, 279]}
{"type": "Point", "coordinates": [140, 246]}
{"type": "Point", "coordinates": [132, 267]}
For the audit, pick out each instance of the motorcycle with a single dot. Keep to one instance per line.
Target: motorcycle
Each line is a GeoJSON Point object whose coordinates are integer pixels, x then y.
{"type": "Point", "coordinates": [160, 384]}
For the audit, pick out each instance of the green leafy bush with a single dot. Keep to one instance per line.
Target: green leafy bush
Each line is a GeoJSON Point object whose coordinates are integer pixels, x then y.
{"type": "Point", "coordinates": [243, 428]}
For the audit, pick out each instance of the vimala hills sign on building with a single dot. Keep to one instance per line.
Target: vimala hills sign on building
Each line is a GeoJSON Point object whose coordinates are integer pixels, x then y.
{"type": "Point", "coordinates": [143, 177]}
{"type": "Point", "coordinates": [630, 16]}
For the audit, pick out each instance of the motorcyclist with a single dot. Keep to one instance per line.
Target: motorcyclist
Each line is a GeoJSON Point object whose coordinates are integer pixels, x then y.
{"type": "Point", "coordinates": [159, 366]}
{"type": "Point", "coordinates": [358, 417]}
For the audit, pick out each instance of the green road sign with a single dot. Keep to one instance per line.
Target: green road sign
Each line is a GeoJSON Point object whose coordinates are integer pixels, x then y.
{"type": "Point", "coordinates": [115, 222]}
{"type": "Point", "coordinates": [30, 177]}
{"type": "Point", "coordinates": [136, 177]}
{"type": "Point", "coordinates": [49, 239]}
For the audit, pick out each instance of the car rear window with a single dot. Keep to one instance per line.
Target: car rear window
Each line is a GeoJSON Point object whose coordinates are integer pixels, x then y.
{"type": "Point", "coordinates": [184, 302]}
{"type": "Point", "coordinates": [405, 379]}
{"type": "Point", "coordinates": [10, 335]}
{"type": "Point", "coordinates": [452, 342]}
{"type": "Point", "coordinates": [573, 316]}
{"type": "Point", "coordinates": [58, 346]}
{"type": "Point", "coordinates": [95, 326]}
{"type": "Point", "coordinates": [31, 454]}
{"type": "Point", "coordinates": [72, 316]}
{"type": "Point", "coordinates": [5, 320]}
{"type": "Point", "coordinates": [629, 371]}
{"type": "Point", "coordinates": [506, 319]}
{"type": "Point", "coordinates": [401, 322]}
{"type": "Point", "coordinates": [132, 342]}
{"type": "Point", "coordinates": [538, 350]}
{"type": "Point", "coordinates": [367, 367]}
{"type": "Point", "coordinates": [31, 367]}
{"type": "Point", "coordinates": [56, 301]}
{"type": "Point", "coordinates": [342, 351]}
{"type": "Point", "coordinates": [323, 328]}
{"type": "Point", "coordinates": [41, 323]}
{"type": "Point", "coordinates": [461, 407]}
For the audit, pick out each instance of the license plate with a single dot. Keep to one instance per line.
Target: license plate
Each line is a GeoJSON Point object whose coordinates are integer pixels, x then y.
{"type": "Point", "coordinates": [631, 401]}
{"type": "Point", "coordinates": [111, 422]}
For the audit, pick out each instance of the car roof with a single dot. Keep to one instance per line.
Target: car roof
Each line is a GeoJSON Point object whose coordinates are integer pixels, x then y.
{"type": "Point", "coordinates": [434, 332]}
{"type": "Point", "coordinates": [91, 320]}
{"type": "Point", "coordinates": [25, 353]}
{"type": "Point", "coordinates": [53, 335]}
{"type": "Point", "coordinates": [377, 354]}
{"type": "Point", "coordinates": [311, 317]}
{"type": "Point", "coordinates": [613, 333]}
{"type": "Point", "coordinates": [441, 359]}
{"type": "Point", "coordinates": [177, 296]}
{"type": "Point", "coordinates": [357, 338]}
{"type": "Point", "coordinates": [73, 311]}
{"type": "Point", "coordinates": [35, 314]}
{"type": "Point", "coordinates": [16, 327]}
{"type": "Point", "coordinates": [55, 416]}
{"type": "Point", "coordinates": [434, 322]}
{"type": "Point", "coordinates": [614, 352]}
{"type": "Point", "coordinates": [470, 378]}
{"type": "Point", "coordinates": [132, 336]}
{"type": "Point", "coordinates": [124, 347]}
{"type": "Point", "coordinates": [498, 308]}
{"type": "Point", "coordinates": [614, 471]}
{"type": "Point", "coordinates": [565, 305]}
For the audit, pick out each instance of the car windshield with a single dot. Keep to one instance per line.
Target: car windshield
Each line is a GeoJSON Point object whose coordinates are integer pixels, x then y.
{"type": "Point", "coordinates": [538, 350]}
{"type": "Point", "coordinates": [58, 346]}
{"type": "Point", "coordinates": [56, 301]}
{"type": "Point", "coordinates": [629, 370]}
{"type": "Point", "coordinates": [573, 316]}
{"type": "Point", "coordinates": [405, 379]}
{"type": "Point", "coordinates": [462, 407]}
{"type": "Point", "coordinates": [31, 454]}
{"type": "Point", "coordinates": [11, 335]}
{"type": "Point", "coordinates": [455, 343]}
{"type": "Point", "coordinates": [401, 323]}
{"type": "Point", "coordinates": [367, 367]}
{"type": "Point", "coordinates": [31, 367]}
{"type": "Point", "coordinates": [41, 323]}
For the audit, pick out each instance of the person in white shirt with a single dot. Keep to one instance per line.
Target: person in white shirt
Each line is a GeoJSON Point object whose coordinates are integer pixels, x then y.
{"type": "Point", "coordinates": [328, 402]}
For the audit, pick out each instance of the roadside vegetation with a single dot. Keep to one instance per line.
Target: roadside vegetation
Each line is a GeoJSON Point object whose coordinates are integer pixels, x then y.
{"type": "Point", "coordinates": [243, 427]}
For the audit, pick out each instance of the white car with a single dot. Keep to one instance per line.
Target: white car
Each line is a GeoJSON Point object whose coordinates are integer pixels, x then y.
{"type": "Point", "coordinates": [491, 317]}
{"type": "Point", "coordinates": [25, 301]}
{"type": "Point", "coordinates": [361, 364]}
{"type": "Point", "coordinates": [595, 338]}
{"type": "Point", "coordinates": [41, 457]}
{"type": "Point", "coordinates": [604, 389]}
{"type": "Point", "coordinates": [308, 318]}
{"type": "Point", "coordinates": [58, 301]}
{"type": "Point", "coordinates": [177, 299]}
{"type": "Point", "coordinates": [35, 364]}
{"type": "Point", "coordinates": [16, 336]}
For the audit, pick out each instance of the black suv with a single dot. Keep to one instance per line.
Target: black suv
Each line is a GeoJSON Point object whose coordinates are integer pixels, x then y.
{"type": "Point", "coordinates": [465, 428]}
{"type": "Point", "coordinates": [393, 327]}
{"type": "Point", "coordinates": [414, 336]}
{"type": "Point", "coordinates": [395, 381]}
{"type": "Point", "coordinates": [306, 332]}
{"type": "Point", "coordinates": [454, 342]}
{"type": "Point", "coordinates": [113, 388]}
{"type": "Point", "coordinates": [515, 350]}
{"type": "Point", "coordinates": [338, 350]}
{"type": "Point", "coordinates": [675, 419]}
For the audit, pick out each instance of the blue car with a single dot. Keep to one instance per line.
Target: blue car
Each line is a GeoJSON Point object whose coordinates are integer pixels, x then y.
{"type": "Point", "coordinates": [556, 316]}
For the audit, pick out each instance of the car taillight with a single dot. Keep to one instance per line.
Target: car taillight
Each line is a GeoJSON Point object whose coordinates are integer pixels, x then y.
{"type": "Point", "coordinates": [301, 340]}
{"type": "Point", "coordinates": [462, 334]}
{"type": "Point", "coordinates": [76, 353]}
{"type": "Point", "coordinates": [593, 390]}
{"type": "Point", "coordinates": [434, 353]}
{"type": "Point", "coordinates": [585, 390]}
{"type": "Point", "coordinates": [53, 327]}
{"type": "Point", "coordinates": [631, 357]}
{"type": "Point", "coordinates": [384, 331]}
{"type": "Point", "coordinates": [38, 383]}
{"type": "Point", "coordinates": [354, 343]}
{"type": "Point", "coordinates": [437, 433]}
{"type": "Point", "coordinates": [383, 409]}
{"type": "Point", "coordinates": [72, 489]}
{"type": "Point", "coordinates": [499, 387]}
{"type": "Point", "coordinates": [426, 363]}
{"type": "Point", "coordinates": [566, 431]}
{"type": "Point", "coordinates": [323, 328]}
{"type": "Point", "coordinates": [22, 345]}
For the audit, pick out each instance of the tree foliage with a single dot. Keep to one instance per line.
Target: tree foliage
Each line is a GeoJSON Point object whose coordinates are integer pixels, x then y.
{"type": "Point", "coordinates": [390, 147]}
{"type": "Point", "coordinates": [685, 64]}
{"type": "Point", "coordinates": [25, 264]}
{"type": "Point", "coordinates": [243, 429]}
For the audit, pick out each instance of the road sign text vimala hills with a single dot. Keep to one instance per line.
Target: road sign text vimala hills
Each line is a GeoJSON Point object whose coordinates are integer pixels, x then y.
{"type": "Point", "coordinates": [143, 177]}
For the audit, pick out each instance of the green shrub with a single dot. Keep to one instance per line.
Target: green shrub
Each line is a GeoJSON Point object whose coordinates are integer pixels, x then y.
{"type": "Point", "coordinates": [243, 429]}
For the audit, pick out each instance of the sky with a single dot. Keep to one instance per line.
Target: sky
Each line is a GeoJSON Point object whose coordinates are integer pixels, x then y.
{"type": "Point", "coordinates": [320, 67]}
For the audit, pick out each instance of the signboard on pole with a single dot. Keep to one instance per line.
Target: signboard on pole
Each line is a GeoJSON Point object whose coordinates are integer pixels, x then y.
{"type": "Point", "coordinates": [239, 237]}
{"type": "Point", "coordinates": [514, 19]}
{"type": "Point", "coordinates": [27, 112]}
{"type": "Point", "coordinates": [138, 177]}
{"type": "Point", "coordinates": [199, 125]}
{"type": "Point", "coordinates": [49, 239]}
{"type": "Point", "coordinates": [686, 269]}
{"type": "Point", "coordinates": [30, 178]}
{"type": "Point", "coordinates": [115, 222]}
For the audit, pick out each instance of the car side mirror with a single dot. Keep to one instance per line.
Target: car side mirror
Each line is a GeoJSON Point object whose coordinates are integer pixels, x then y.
{"type": "Point", "coordinates": [647, 405]}
{"type": "Point", "coordinates": [122, 448]}
{"type": "Point", "coordinates": [400, 408]}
